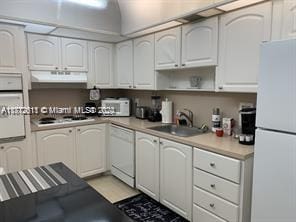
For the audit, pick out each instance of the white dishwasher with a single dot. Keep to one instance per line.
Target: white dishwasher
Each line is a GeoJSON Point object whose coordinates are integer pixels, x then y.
{"type": "Point", "coordinates": [123, 154]}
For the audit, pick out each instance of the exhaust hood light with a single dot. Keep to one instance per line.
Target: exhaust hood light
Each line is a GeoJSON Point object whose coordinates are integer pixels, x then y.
{"type": "Point", "coordinates": [210, 12]}
{"type": "Point", "coordinates": [91, 3]}
{"type": "Point", "coordinates": [238, 4]}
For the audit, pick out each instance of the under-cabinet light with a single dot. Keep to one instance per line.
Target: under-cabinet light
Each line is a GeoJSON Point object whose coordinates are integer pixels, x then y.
{"type": "Point", "coordinates": [238, 4]}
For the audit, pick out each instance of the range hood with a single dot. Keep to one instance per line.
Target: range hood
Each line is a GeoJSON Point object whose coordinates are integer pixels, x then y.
{"type": "Point", "coordinates": [58, 77]}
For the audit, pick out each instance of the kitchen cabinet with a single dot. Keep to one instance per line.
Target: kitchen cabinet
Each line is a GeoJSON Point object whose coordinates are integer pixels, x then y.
{"type": "Point", "coordinates": [124, 64]}
{"type": "Point", "coordinates": [289, 19]}
{"type": "Point", "coordinates": [44, 52]}
{"type": "Point", "coordinates": [168, 49]}
{"type": "Point", "coordinates": [200, 43]}
{"type": "Point", "coordinates": [91, 149]}
{"type": "Point", "coordinates": [176, 177]}
{"type": "Point", "coordinates": [14, 156]}
{"type": "Point", "coordinates": [101, 65]}
{"type": "Point", "coordinates": [56, 145]}
{"type": "Point", "coordinates": [147, 164]}
{"type": "Point", "coordinates": [50, 53]}
{"type": "Point", "coordinates": [74, 55]}
{"type": "Point", "coordinates": [144, 74]}
{"type": "Point", "coordinates": [241, 33]}
{"type": "Point", "coordinates": [222, 187]}
{"type": "Point", "coordinates": [12, 43]}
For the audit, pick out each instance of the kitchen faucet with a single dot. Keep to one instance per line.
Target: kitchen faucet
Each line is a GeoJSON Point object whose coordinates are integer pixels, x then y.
{"type": "Point", "coordinates": [188, 118]}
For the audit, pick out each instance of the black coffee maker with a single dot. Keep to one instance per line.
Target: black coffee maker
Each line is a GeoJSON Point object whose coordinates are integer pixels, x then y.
{"type": "Point", "coordinates": [248, 124]}
{"type": "Point", "coordinates": [154, 113]}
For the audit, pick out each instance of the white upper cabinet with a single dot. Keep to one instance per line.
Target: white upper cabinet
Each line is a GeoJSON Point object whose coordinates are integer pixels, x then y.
{"type": "Point", "coordinates": [147, 164]}
{"type": "Point", "coordinates": [74, 55]}
{"type": "Point", "coordinates": [176, 177]}
{"type": "Point", "coordinates": [12, 42]}
{"type": "Point", "coordinates": [101, 65]}
{"type": "Point", "coordinates": [168, 49]}
{"type": "Point", "coordinates": [241, 33]}
{"type": "Point", "coordinates": [124, 64]}
{"type": "Point", "coordinates": [199, 43]}
{"type": "Point", "coordinates": [144, 74]}
{"type": "Point", "coordinates": [289, 19]}
{"type": "Point", "coordinates": [90, 146]}
{"type": "Point", "coordinates": [14, 156]}
{"type": "Point", "coordinates": [44, 52]}
{"type": "Point", "coordinates": [56, 146]}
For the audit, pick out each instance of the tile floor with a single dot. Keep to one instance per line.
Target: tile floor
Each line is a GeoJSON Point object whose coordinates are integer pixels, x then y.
{"type": "Point", "coordinates": [112, 188]}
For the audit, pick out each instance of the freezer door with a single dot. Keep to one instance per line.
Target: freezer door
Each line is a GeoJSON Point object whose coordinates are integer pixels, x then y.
{"type": "Point", "coordinates": [276, 101]}
{"type": "Point", "coordinates": [274, 181]}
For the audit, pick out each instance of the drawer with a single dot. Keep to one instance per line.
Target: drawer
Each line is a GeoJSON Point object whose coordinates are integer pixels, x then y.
{"type": "Point", "coordinates": [201, 215]}
{"type": "Point", "coordinates": [216, 205]}
{"type": "Point", "coordinates": [219, 165]}
{"type": "Point", "coordinates": [216, 185]}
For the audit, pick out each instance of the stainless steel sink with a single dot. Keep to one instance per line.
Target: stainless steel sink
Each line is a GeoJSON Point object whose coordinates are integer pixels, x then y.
{"type": "Point", "coordinates": [183, 131]}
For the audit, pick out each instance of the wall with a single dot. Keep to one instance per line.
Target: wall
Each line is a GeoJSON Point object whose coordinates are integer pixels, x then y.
{"type": "Point", "coordinates": [136, 15]}
{"type": "Point", "coordinates": [201, 103]}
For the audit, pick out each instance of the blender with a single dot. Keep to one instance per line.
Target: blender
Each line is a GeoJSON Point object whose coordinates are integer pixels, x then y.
{"type": "Point", "coordinates": [154, 115]}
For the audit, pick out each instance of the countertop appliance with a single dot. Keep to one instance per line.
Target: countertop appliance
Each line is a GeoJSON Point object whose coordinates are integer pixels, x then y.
{"type": "Point", "coordinates": [154, 113]}
{"type": "Point", "coordinates": [116, 107]}
{"type": "Point", "coordinates": [142, 112]}
{"type": "Point", "coordinates": [167, 111]}
{"type": "Point", "coordinates": [248, 125]}
{"type": "Point", "coordinates": [123, 154]}
{"type": "Point", "coordinates": [274, 180]}
{"type": "Point", "coordinates": [12, 125]}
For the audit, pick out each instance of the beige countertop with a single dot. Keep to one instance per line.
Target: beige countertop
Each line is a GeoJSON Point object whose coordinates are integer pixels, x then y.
{"type": "Point", "coordinates": [222, 145]}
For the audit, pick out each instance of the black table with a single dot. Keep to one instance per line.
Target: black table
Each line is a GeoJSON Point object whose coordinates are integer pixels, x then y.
{"type": "Point", "coordinates": [74, 201]}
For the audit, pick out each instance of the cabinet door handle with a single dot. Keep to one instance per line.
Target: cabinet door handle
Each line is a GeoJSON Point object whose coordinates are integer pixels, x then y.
{"type": "Point", "coordinates": [183, 64]}
{"type": "Point", "coordinates": [161, 143]}
{"type": "Point", "coordinates": [220, 87]}
{"type": "Point", "coordinates": [70, 131]}
{"type": "Point", "coordinates": [2, 147]}
{"type": "Point", "coordinates": [176, 65]}
{"type": "Point", "coordinates": [213, 185]}
{"type": "Point", "coordinates": [134, 87]}
{"type": "Point", "coordinates": [78, 130]}
{"type": "Point", "coordinates": [129, 86]}
{"type": "Point", "coordinates": [154, 141]}
{"type": "Point", "coordinates": [65, 68]}
{"type": "Point", "coordinates": [56, 68]}
{"type": "Point", "coordinates": [212, 205]}
{"type": "Point", "coordinates": [212, 164]}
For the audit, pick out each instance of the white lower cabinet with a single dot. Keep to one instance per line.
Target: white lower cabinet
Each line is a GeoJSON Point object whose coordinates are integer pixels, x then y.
{"type": "Point", "coordinates": [14, 156]}
{"type": "Point", "coordinates": [56, 145]}
{"type": "Point", "coordinates": [82, 149]}
{"type": "Point", "coordinates": [222, 188]}
{"type": "Point", "coordinates": [147, 164]}
{"type": "Point", "coordinates": [164, 172]}
{"type": "Point", "coordinates": [91, 149]}
{"type": "Point", "coordinates": [176, 177]}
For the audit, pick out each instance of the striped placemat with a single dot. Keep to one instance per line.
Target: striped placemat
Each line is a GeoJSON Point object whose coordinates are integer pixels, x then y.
{"type": "Point", "coordinates": [28, 181]}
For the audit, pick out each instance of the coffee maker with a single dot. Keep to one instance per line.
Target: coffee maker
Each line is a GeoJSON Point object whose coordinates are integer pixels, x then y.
{"type": "Point", "coordinates": [154, 114]}
{"type": "Point", "coordinates": [248, 126]}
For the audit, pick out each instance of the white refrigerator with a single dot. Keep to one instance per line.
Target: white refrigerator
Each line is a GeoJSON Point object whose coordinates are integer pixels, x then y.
{"type": "Point", "coordinates": [274, 181]}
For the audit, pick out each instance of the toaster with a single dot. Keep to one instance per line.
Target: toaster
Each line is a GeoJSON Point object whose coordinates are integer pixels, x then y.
{"type": "Point", "coordinates": [142, 112]}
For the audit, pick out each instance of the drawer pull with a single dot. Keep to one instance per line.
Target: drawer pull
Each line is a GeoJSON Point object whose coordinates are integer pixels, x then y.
{"type": "Point", "coordinates": [213, 186]}
{"type": "Point", "coordinates": [212, 205]}
{"type": "Point", "coordinates": [212, 164]}
{"type": "Point", "coordinates": [154, 141]}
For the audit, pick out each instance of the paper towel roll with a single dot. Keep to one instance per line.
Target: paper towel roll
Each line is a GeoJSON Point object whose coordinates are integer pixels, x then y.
{"type": "Point", "coordinates": [167, 111]}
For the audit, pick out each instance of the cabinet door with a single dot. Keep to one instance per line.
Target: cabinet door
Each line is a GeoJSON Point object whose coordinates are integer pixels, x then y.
{"type": "Point", "coordinates": [44, 52]}
{"type": "Point", "coordinates": [74, 55]}
{"type": "Point", "coordinates": [168, 49]}
{"type": "Point", "coordinates": [176, 177]}
{"type": "Point", "coordinates": [147, 164]}
{"type": "Point", "coordinates": [200, 43]}
{"type": "Point", "coordinates": [90, 146]}
{"type": "Point", "coordinates": [12, 42]}
{"type": "Point", "coordinates": [124, 64]}
{"type": "Point", "coordinates": [241, 33]}
{"type": "Point", "coordinates": [289, 19]}
{"type": "Point", "coordinates": [144, 74]}
{"type": "Point", "coordinates": [14, 156]}
{"type": "Point", "coordinates": [56, 146]}
{"type": "Point", "coordinates": [101, 65]}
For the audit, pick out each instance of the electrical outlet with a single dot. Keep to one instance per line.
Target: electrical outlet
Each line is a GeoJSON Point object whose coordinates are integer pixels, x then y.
{"type": "Point", "coordinates": [241, 106]}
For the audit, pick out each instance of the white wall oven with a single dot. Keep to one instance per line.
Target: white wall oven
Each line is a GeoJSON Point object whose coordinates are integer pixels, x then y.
{"type": "Point", "coordinates": [12, 124]}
